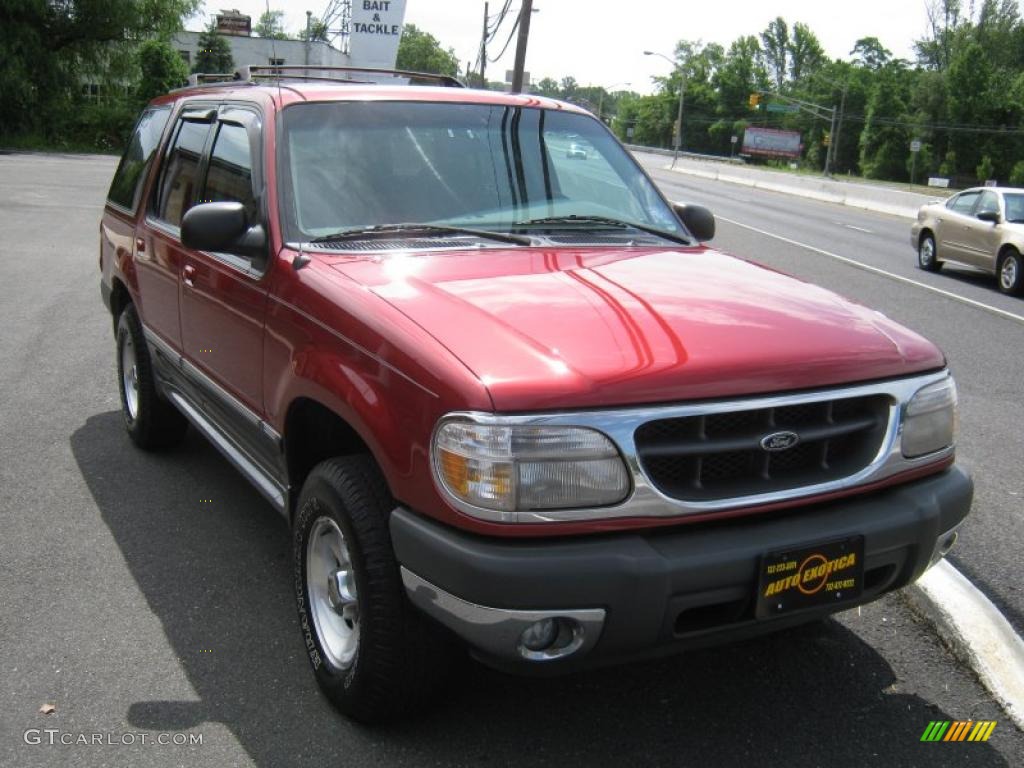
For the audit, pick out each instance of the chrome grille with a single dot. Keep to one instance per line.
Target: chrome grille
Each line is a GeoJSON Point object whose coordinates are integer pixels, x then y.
{"type": "Point", "coordinates": [709, 457]}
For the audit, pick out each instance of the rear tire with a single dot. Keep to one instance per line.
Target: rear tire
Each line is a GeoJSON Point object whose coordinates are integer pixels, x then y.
{"type": "Point", "coordinates": [927, 256]}
{"type": "Point", "coordinates": [373, 655]}
{"type": "Point", "coordinates": [1010, 273]}
{"type": "Point", "coordinates": [152, 423]}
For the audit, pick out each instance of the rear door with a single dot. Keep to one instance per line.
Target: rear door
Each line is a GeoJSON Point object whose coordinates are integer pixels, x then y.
{"type": "Point", "coordinates": [223, 296]}
{"type": "Point", "coordinates": [161, 256]}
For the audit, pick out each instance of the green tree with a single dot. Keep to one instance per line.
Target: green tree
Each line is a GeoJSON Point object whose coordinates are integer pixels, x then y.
{"type": "Point", "coordinates": [271, 25]}
{"type": "Point", "coordinates": [162, 69]}
{"type": "Point", "coordinates": [315, 32]}
{"type": "Point", "coordinates": [1017, 174]}
{"type": "Point", "coordinates": [775, 50]}
{"type": "Point", "coordinates": [884, 142]}
{"type": "Point", "coordinates": [214, 53]}
{"type": "Point", "coordinates": [806, 55]}
{"type": "Point", "coordinates": [985, 168]}
{"type": "Point", "coordinates": [420, 51]}
{"type": "Point", "coordinates": [870, 53]}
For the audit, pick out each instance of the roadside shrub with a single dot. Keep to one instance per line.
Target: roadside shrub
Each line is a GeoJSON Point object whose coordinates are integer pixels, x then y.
{"type": "Point", "coordinates": [1017, 175]}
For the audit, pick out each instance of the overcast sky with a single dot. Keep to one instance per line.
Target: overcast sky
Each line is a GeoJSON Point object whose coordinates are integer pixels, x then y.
{"type": "Point", "coordinates": [602, 43]}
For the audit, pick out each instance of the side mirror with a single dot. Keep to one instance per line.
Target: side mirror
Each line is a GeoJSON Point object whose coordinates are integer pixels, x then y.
{"type": "Point", "coordinates": [990, 216]}
{"type": "Point", "coordinates": [697, 219]}
{"type": "Point", "coordinates": [224, 228]}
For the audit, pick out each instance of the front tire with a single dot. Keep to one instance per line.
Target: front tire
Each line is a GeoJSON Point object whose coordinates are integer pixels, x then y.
{"type": "Point", "coordinates": [152, 423]}
{"type": "Point", "coordinates": [927, 258]}
{"type": "Point", "coordinates": [1010, 273]}
{"type": "Point", "coordinates": [372, 654]}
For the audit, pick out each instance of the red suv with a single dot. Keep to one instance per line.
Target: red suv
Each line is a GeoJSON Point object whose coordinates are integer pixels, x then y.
{"type": "Point", "coordinates": [502, 393]}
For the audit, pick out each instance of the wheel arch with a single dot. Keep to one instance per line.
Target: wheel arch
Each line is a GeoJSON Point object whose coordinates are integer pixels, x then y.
{"type": "Point", "coordinates": [120, 297]}
{"type": "Point", "coordinates": [314, 432]}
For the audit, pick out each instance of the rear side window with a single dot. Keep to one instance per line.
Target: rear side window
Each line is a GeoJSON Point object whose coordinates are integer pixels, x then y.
{"type": "Point", "coordinates": [229, 177]}
{"type": "Point", "coordinates": [132, 170]}
{"type": "Point", "coordinates": [181, 171]}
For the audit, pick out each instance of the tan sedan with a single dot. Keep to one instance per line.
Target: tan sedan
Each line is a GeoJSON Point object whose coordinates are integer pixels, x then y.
{"type": "Point", "coordinates": [981, 227]}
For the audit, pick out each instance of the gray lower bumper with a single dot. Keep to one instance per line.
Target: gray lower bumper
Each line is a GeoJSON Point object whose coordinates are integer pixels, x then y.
{"type": "Point", "coordinates": [638, 594]}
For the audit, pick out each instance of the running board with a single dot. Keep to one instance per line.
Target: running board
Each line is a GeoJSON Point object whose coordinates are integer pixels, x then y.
{"type": "Point", "coordinates": [264, 483]}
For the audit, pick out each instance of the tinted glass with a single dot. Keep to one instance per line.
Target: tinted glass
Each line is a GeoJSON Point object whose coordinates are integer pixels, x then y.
{"type": "Point", "coordinates": [358, 164]}
{"type": "Point", "coordinates": [964, 202]}
{"type": "Point", "coordinates": [180, 175]}
{"type": "Point", "coordinates": [131, 171]}
{"type": "Point", "coordinates": [229, 177]}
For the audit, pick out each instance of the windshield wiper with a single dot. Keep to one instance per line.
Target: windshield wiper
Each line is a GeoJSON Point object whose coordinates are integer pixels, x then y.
{"type": "Point", "coordinates": [384, 230]}
{"type": "Point", "coordinates": [606, 221]}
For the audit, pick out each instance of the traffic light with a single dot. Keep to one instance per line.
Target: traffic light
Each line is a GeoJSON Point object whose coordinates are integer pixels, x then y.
{"type": "Point", "coordinates": [755, 100]}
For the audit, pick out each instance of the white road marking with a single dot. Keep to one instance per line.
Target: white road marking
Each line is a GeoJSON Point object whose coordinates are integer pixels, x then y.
{"type": "Point", "coordinates": [859, 229]}
{"type": "Point", "coordinates": [884, 273]}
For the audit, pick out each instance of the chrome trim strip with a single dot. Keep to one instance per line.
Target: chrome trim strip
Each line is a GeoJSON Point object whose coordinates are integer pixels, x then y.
{"type": "Point", "coordinates": [620, 424]}
{"type": "Point", "coordinates": [265, 484]}
{"type": "Point", "coordinates": [497, 631]}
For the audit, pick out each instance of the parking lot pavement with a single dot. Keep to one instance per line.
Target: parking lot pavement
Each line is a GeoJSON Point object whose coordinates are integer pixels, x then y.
{"type": "Point", "coordinates": [150, 594]}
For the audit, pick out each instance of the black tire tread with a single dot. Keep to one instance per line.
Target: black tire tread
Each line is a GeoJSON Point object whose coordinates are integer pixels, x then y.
{"type": "Point", "coordinates": [401, 657]}
{"type": "Point", "coordinates": [159, 425]}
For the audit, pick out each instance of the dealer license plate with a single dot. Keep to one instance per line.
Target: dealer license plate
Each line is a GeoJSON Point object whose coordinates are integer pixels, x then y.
{"type": "Point", "coordinates": [810, 577]}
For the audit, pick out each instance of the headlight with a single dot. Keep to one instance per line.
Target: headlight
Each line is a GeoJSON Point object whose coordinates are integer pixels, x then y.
{"type": "Point", "coordinates": [931, 419]}
{"type": "Point", "coordinates": [522, 467]}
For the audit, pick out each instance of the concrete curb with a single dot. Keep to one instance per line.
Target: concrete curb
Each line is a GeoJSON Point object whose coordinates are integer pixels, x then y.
{"type": "Point", "coordinates": [838, 192]}
{"type": "Point", "coordinates": [976, 631]}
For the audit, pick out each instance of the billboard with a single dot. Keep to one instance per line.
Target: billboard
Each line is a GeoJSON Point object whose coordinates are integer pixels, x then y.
{"type": "Point", "coordinates": [771, 143]}
{"type": "Point", "coordinates": [375, 29]}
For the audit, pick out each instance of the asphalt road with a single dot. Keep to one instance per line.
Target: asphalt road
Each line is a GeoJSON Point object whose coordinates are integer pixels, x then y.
{"type": "Point", "coordinates": [138, 610]}
{"type": "Point", "coordinates": [983, 344]}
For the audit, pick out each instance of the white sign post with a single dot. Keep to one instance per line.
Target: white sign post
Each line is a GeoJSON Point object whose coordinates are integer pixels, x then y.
{"type": "Point", "coordinates": [915, 147]}
{"type": "Point", "coordinates": [376, 28]}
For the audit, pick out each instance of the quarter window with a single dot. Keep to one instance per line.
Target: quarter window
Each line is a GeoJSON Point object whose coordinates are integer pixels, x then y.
{"type": "Point", "coordinates": [132, 170]}
{"type": "Point", "coordinates": [230, 175]}
{"type": "Point", "coordinates": [988, 203]}
{"type": "Point", "coordinates": [181, 172]}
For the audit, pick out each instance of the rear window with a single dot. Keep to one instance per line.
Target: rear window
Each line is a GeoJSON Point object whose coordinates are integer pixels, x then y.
{"type": "Point", "coordinates": [131, 171]}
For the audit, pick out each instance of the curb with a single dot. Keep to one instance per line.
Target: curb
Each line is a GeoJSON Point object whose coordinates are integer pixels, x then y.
{"type": "Point", "coordinates": [977, 633]}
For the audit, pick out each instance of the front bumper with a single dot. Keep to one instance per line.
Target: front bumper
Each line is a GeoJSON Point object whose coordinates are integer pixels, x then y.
{"type": "Point", "coordinates": [648, 593]}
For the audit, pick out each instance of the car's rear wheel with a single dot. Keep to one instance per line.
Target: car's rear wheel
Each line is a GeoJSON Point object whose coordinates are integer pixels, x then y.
{"type": "Point", "coordinates": [1010, 273]}
{"type": "Point", "coordinates": [926, 255]}
{"type": "Point", "coordinates": [151, 421]}
{"type": "Point", "coordinates": [372, 654]}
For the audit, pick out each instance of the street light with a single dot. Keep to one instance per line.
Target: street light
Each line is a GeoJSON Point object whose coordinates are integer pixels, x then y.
{"type": "Point", "coordinates": [682, 95]}
{"type": "Point", "coordinates": [600, 100]}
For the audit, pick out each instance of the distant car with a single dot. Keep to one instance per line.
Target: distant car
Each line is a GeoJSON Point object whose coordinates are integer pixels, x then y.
{"type": "Point", "coordinates": [981, 227]}
{"type": "Point", "coordinates": [576, 151]}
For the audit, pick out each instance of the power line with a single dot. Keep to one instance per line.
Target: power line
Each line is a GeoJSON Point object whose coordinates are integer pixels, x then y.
{"type": "Point", "coordinates": [507, 42]}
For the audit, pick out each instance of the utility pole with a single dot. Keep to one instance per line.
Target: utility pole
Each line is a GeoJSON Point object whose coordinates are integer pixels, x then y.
{"type": "Point", "coordinates": [831, 143]}
{"type": "Point", "coordinates": [483, 51]}
{"type": "Point", "coordinates": [679, 117]}
{"type": "Point", "coordinates": [839, 128]}
{"type": "Point", "coordinates": [524, 34]}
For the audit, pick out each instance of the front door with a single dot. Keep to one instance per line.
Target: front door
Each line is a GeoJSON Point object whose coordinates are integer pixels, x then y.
{"type": "Point", "coordinates": [223, 296]}
{"type": "Point", "coordinates": [981, 238]}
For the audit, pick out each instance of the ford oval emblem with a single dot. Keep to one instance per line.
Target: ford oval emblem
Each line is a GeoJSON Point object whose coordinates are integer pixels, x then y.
{"type": "Point", "coordinates": [779, 441]}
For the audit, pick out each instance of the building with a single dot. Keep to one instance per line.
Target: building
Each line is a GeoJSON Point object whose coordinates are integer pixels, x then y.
{"type": "Point", "coordinates": [262, 50]}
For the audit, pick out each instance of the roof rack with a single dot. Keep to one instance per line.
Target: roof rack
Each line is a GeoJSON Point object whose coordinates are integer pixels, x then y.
{"type": "Point", "coordinates": [253, 72]}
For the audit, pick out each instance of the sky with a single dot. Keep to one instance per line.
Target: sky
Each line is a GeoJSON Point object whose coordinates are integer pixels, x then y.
{"type": "Point", "coordinates": [601, 43]}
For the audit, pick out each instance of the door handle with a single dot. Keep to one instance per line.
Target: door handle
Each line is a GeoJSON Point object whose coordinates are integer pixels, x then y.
{"type": "Point", "coordinates": [188, 272]}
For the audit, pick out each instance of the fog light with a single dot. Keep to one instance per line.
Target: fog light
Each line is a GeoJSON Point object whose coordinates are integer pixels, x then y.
{"type": "Point", "coordinates": [540, 635]}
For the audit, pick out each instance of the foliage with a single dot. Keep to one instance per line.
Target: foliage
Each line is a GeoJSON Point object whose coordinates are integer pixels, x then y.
{"type": "Point", "coordinates": [420, 51]}
{"type": "Point", "coordinates": [271, 25]}
{"type": "Point", "coordinates": [985, 169]}
{"type": "Point", "coordinates": [1017, 174]}
{"type": "Point", "coordinates": [50, 48]}
{"type": "Point", "coordinates": [315, 32]}
{"type": "Point", "coordinates": [162, 69]}
{"type": "Point", "coordinates": [214, 53]}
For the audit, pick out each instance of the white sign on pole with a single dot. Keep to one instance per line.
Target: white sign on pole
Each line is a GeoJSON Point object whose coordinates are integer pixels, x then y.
{"type": "Point", "coordinates": [376, 28]}
{"type": "Point", "coordinates": [915, 146]}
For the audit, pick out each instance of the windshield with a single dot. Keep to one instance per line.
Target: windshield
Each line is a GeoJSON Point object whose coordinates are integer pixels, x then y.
{"type": "Point", "coordinates": [349, 165]}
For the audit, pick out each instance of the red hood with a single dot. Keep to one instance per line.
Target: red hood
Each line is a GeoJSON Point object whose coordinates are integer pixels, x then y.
{"type": "Point", "coordinates": [591, 327]}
